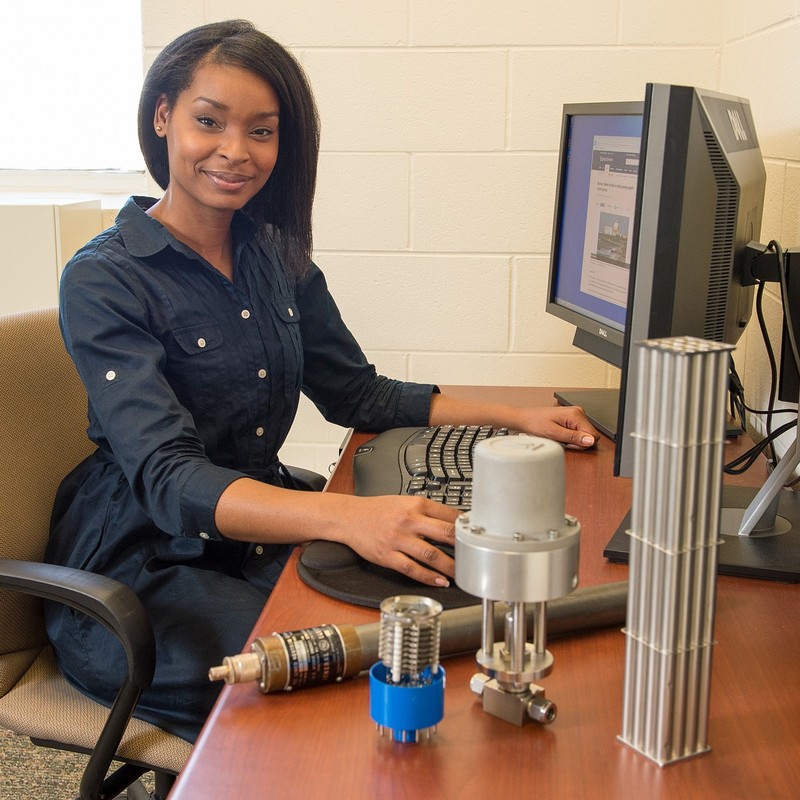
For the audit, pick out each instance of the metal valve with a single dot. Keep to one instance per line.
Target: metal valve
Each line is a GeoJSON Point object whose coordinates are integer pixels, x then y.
{"type": "Point", "coordinates": [517, 546]}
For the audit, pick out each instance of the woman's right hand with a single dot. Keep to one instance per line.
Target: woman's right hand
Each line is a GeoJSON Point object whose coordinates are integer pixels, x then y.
{"type": "Point", "coordinates": [400, 532]}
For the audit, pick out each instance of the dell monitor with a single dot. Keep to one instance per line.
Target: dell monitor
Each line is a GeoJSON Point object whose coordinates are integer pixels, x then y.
{"type": "Point", "coordinates": [656, 202]}
{"type": "Point", "coordinates": [593, 237]}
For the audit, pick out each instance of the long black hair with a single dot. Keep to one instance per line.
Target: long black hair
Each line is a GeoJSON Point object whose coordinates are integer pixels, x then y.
{"type": "Point", "coordinates": [284, 204]}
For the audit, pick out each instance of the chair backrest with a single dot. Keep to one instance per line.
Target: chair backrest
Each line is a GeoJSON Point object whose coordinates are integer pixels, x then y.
{"type": "Point", "coordinates": [42, 437]}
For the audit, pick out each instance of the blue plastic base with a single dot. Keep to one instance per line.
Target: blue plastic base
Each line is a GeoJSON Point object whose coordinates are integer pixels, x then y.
{"type": "Point", "coordinates": [405, 709]}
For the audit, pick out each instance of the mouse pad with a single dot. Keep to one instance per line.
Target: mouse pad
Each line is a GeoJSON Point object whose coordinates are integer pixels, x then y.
{"type": "Point", "coordinates": [337, 571]}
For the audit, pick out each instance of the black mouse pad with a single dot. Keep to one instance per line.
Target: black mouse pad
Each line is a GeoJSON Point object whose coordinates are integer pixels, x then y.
{"type": "Point", "coordinates": [337, 571]}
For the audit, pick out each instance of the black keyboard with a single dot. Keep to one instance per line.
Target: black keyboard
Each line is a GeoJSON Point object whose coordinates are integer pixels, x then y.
{"type": "Point", "coordinates": [435, 462]}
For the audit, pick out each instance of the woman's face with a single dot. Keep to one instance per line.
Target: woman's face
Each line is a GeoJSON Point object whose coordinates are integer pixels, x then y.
{"type": "Point", "coordinates": [222, 138]}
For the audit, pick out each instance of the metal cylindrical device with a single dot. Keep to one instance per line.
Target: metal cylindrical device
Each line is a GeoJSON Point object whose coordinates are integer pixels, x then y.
{"type": "Point", "coordinates": [407, 684]}
{"type": "Point", "coordinates": [409, 636]}
{"type": "Point", "coordinates": [296, 659]}
{"type": "Point", "coordinates": [517, 544]}
{"type": "Point", "coordinates": [518, 485]}
{"type": "Point", "coordinates": [275, 660]}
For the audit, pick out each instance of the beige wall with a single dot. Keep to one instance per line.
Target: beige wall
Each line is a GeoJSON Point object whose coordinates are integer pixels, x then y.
{"type": "Point", "coordinates": [440, 128]}
{"type": "Point", "coordinates": [757, 62]}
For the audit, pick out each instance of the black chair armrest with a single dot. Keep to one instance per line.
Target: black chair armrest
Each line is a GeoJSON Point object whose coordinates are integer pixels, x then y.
{"type": "Point", "coordinates": [105, 600]}
{"type": "Point", "coordinates": [306, 479]}
{"type": "Point", "coordinates": [116, 606]}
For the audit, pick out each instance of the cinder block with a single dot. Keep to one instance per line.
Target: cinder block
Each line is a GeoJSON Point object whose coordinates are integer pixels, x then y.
{"type": "Point", "coordinates": [481, 203]}
{"type": "Point", "coordinates": [542, 80]}
{"type": "Point", "coordinates": [533, 329]}
{"type": "Point", "coordinates": [362, 202]}
{"type": "Point", "coordinates": [772, 88]}
{"type": "Point", "coordinates": [666, 23]}
{"type": "Point", "coordinates": [503, 369]}
{"type": "Point", "coordinates": [320, 23]}
{"type": "Point", "coordinates": [419, 302]}
{"type": "Point", "coordinates": [410, 100]}
{"type": "Point", "coordinates": [475, 23]}
{"type": "Point", "coordinates": [163, 22]}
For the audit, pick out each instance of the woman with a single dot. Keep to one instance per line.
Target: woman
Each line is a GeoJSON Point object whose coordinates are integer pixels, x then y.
{"type": "Point", "coordinates": [195, 322]}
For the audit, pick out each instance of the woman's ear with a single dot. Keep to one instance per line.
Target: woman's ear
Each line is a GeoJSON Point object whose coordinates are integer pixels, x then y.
{"type": "Point", "coordinates": [161, 116]}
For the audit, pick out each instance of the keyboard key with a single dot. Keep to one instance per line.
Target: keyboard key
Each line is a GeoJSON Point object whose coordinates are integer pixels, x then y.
{"type": "Point", "coordinates": [435, 462]}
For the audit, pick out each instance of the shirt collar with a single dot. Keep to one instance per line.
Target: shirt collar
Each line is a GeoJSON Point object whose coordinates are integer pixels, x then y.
{"type": "Point", "coordinates": [145, 236]}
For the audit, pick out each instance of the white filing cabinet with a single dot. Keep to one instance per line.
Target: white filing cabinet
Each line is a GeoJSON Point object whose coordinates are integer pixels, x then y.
{"type": "Point", "coordinates": [37, 238]}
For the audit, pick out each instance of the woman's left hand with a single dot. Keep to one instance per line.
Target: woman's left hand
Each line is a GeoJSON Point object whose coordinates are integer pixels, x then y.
{"type": "Point", "coordinates": [565, 424]}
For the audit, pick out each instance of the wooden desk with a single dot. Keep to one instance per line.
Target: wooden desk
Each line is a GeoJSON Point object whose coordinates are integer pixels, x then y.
{"type": "Point", "coordinates": [321, 743]}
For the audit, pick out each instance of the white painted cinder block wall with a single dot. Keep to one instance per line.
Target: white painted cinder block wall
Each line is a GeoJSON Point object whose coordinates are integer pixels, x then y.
{"type": "Point", "coordinates": [440, 123]}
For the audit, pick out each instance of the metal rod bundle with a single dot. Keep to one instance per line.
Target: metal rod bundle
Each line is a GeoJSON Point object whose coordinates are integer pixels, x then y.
{"type": "Point", "coordinates": [677, 487]}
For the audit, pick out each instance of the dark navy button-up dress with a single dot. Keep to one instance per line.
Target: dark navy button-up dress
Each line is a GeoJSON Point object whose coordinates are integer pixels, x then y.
{"type": "Point", "coordinates": [193, 382]}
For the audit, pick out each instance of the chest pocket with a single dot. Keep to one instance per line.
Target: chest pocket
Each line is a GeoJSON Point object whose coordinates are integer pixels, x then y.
{"type": "Point", "coordinates": [195, 340]}
{"type": "Point", "coordinates": [286, 309]}
{"type": "Point", "coordinates": [199, 369]}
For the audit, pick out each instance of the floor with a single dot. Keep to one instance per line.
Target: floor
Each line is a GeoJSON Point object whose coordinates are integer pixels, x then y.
{"type": "Point", "coordinates": [28, 772]}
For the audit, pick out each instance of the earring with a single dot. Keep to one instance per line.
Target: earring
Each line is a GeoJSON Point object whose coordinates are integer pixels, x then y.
{"type": "Point", "coordinates": [158, 128]}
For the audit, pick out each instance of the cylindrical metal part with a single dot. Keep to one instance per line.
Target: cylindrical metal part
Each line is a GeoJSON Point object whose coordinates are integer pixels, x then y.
{"type": "Point", "coordinates": [240, 668]}
{"type": "Point", "coordinates": [409, 636]}
{"type": "Point", "coordinates": [487, 626]}
{"type": "Point", "coordinates": [515, 639]}
{"type": "Point", "coordinates": [517, 544]}
{"type": "Point", "coordinates": [540, 709]}
{"type": "Point", "coordinates": [518, 486]}
{"type": "Point", "coordinates": [540, 627]}
{"type": "Point", "coordinates": [308, 657]}
{"type": "Point", "coordinates": [461, 631]}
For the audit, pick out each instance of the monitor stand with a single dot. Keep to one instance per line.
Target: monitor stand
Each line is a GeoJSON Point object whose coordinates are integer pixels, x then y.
{"type": "Point", "coordinates": [601, 407]}
{"type": "Point", "coordinates": [760, 528]}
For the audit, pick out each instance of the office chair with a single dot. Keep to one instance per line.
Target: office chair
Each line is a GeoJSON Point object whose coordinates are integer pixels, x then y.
{"type": "Point", "coordinates": [42, 437]}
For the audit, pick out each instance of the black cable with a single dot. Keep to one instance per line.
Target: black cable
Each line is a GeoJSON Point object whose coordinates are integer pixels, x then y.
{"type": "Point", "coordinates": [748, 459]}
{"type": "Point", "coordinates": [787, 311]}
{"type": "Point", "coordinates": [736, 391]}
{"type": "Point", "coordinates": [773, 368]}
{"type": "Point", "coordinates": [736, 394]}
{"type": "Point", "coordinates": [766, 412]}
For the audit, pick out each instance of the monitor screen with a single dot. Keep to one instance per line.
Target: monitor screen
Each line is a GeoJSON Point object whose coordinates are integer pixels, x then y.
{"type": "Point", "coordinates": [655, 203]}
{"type": "Point", "coordinates": [593, 232]}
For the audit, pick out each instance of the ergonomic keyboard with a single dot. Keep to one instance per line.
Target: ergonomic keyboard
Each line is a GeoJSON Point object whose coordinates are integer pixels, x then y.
{"type": "Point", "coordinates": [435, 462]}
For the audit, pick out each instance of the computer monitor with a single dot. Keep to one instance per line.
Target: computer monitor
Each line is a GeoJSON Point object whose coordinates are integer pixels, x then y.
{"type": "Point", "coordinates": [701, 201]}
{"type": "Point", "coordinates": [656, 202]}
{"type": "Point", "coordinates": [655, 205]}
{"type": "Point", "coordinates": [593, 238]}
